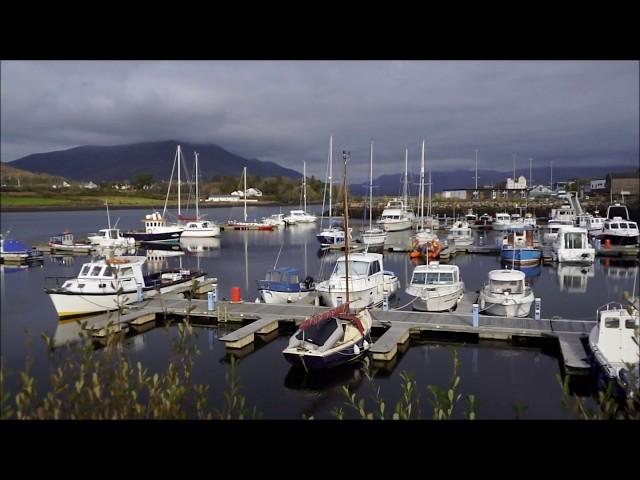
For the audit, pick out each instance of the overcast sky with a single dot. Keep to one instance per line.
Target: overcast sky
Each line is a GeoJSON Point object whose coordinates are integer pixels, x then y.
{"type": "Point", "coordinates": [574, 113]}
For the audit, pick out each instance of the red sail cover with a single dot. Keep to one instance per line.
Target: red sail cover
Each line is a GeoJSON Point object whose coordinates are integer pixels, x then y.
{"type": "Point", "coordinates": [185, 218]}
{"type": "Point", "coordinates": [323, 316]}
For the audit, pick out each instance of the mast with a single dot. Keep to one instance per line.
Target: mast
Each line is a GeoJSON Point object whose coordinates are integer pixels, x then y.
{"type": "Point", "coordinates": [429, 212]}
{"type": "Point", "coordinates": [173, 167]}
{"type": "Point", "coordinates": [514, 168]}
{"type": "Point", "coordinates": [422, 188]}
{"type": "Point", "coordinates": [244, 174]}
{"type": "Point", "coordinates": [476, 170]}
{"type": "Point", "coordinates": [551, 186]}
{"type": "Point", "coordinates": [197, 197]}
{"type": "Point", "coordinates": [179, 160]}
{"type": "Point", "coordinates": [406, 177]}
{"type": "Point", "coordinates": [370, 183]}
{"type": "Point", "coordinates": [530, 176]}
{"type": "Point", "coordinates": [304, 185]}
{"type": "Point", "coordinates": [108, 216]}
{"type": "Point", "coordinates": [330, 174]}
{"type": "Point", "coordinates": [345, 155]}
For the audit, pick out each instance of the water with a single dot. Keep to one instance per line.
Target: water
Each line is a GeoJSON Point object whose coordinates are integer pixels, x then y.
{"type": "Point", "coordinates": [499, 374]}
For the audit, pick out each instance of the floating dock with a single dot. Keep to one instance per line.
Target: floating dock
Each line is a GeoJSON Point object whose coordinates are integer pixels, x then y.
{"type": "Point", "coordinates": [260, 319]}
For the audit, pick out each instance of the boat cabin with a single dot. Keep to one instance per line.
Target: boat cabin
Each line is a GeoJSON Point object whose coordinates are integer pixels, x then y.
{"type": "Point", "coordinates": [572, 238]}
{"type": "Point", "coordinates": [435, 274]}
{"type": "Point", "coordinates": [360, 264]}
{"type": "Point", "coordinates": [616, 335]}
{"type": "Point", "coordinates": [284, 279]}
{"type": "Point", "coordinates": [617, 210]}
{"type": "Point", "coordinates": [507, 281]}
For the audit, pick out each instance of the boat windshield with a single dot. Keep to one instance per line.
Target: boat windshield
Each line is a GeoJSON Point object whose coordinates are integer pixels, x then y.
{"type": "Point", "coordinates": [574, 240]}
{"type": "Point", "coordinates": [432, 278]}
{"type": "Point", "coordinates": [355, 268]}
{"type": "Point", "coordinates": [502, 286]}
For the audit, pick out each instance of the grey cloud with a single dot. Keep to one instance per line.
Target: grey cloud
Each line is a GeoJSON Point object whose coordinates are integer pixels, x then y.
{"type": "Point", "coordinates": [572, 112]}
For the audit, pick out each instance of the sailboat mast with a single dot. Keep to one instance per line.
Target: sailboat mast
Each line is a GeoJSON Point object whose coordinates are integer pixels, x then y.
{"type": "Point", "coordinates": [476, 169]}
{"type": "Point", "coordinates": [108, 216]}
{"type": "Point", "coordinates": [330, 174]}
{"type": "Point", "coordinates": [514, 168]}
{"type": "Point", "coordinates": [422, 188]}
{"type": "Point", "coordinates": [197, 197]}
{"type": "Point", "coordinates": [429, 212]}
{"type": "Point", "coordinates": [304, 185]}
{"type": "Point", "coordinates": [406, 177]}
{"type": "Point", "coordinates": [530, 171]}
{"type": "Point", "coordinates": [244, 174]}
{"type": "Point", "coordinates": [370, 184]}
{"type": "Point", "coordinates": [346, 225]}
{"type": "Point", "coordinates": [179, 161]}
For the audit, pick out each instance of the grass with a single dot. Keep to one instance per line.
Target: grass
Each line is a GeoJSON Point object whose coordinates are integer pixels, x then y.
{"type": "Point", "coordinates": [17, 200]}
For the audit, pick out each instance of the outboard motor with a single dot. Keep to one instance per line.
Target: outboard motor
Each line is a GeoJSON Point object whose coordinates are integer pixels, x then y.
{"type": "Point", "coordinates": [308, 282]}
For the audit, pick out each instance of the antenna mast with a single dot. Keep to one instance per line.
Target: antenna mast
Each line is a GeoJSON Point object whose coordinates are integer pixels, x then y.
{"type": "Point", "coordinates": [345, 156]}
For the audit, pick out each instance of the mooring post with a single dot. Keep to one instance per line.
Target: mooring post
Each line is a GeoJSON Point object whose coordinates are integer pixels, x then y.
{"type": "Point", "coordinates": [139, 293]}
{"type": "Point", "coordinates": [210, 301]}
{"type": "Point", "coordinates": [385, 301]}
{"type": "Point", "coordinates": [476, 319]}
{"type": "Point", "coordinates": [537, 308]}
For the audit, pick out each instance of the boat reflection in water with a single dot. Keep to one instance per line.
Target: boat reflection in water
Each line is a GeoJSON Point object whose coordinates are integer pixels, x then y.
{"type": "Point", "coordinates": [574, 278]}
{"type": "Point", "coordinates": [617, 268]}
{"type": "Point", "coordinates": [350, 375]}
{"type": "Point", "coordinates": [208, 247]}
{"type": "Point", "coordinates": [529, 272]}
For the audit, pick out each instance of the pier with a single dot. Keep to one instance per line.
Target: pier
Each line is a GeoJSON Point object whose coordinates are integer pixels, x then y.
{"type": "Point", "coordinates": [260, 319]}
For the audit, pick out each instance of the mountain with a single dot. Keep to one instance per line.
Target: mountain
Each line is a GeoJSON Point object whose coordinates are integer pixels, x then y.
{"type": "Point", "coordinates": [122, 162]}
{"type": "Point", "coordinates": [462, 179]}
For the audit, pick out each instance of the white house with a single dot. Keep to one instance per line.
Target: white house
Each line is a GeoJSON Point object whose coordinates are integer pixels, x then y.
{"type": "Point", "coordinates": [519, 185]}
{"type": "Point", "coordinates": [598, 184]}
{"type": "Point", "coordinates": [251, 192]}
{"type": "Point", "coordinates": [89, 185]}
{"type": "Point", "coordinates": [61, 185]}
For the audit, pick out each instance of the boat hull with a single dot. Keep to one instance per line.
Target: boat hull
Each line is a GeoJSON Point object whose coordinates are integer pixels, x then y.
{"type": "Point", "coordinates": [303, 359]}
{"type": "Point", "coordinates": [155, 237]}
{"type": "Point", "coordinates": [501, 307]}
{"type": "Point", "coordinates": [437, 301]}
{"type": "Point", "coordinates": [396, 225]}
{"type": "Point", "coordinates": [367, 297]}
{"type": "Point", "coordinates": [275, 297]}
{"type": "Point", "coordinates": [201, 232]}
{"type": "Point", "coordinates": [521, 256]}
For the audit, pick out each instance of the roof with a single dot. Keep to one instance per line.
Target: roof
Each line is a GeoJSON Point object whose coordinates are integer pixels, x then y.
{"type": "Point", "coordinates": [366, 257]}
{"type": "Point", "coordinates": [437, 267]}
{"type": "Point", "coordinates": [506, 275]}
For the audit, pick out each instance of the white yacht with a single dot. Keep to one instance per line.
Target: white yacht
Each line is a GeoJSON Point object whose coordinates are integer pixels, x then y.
{"type": "Point", "coordinates": [108, 284]}
{"type": "Point", "coordinates": [614, 345]}
{"type": "Point", "coordinates": [620, 232]}
{"type": "Point", "coordinates": [277, 220]}
{"type": "Point", "coordinates": [396, 216]}
{"type": "Point", "coordinates": [110, 237]}
{"type": "Point", "coordinates": [460, 233]}
{"type": "Point", "coordinates": [572, 245]}
{"type": "Point", "coordinates": [436, 287]}
{"type": "Point", "coordinates": [368, 281]}
{"type": "Point", "coordinates": [565, 215]}
{"type": "Point", "coordinates": [502, 221]}
{"type": "Point", "coordinates": [299, 216]}
{"type": "Point", "coordinates": [196, 227]}
{"type": "Point", "coordinates": [506, 294]}
{"type": "Point", "coordinates": [594, 222]}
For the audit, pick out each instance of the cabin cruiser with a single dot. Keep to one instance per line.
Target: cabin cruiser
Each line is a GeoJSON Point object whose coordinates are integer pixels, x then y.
{"type": "Point", "coordinates": [619, 232]}
{"type": "Point", "coordinates": [460, 233]}
{"type": "Point", "coordinates": [368, 281]}
{"type": "Point", "coordinates": [506, 294]}
{"type": "Point", "coordinates": [502, 221]}
{"type": "Point", "coordinates": [330, 339]}
{"type": "Point", "coordinates": [614, 346]}
{"type": "Point", "coordinates": [111, 283]}
{"type": "Point", "coordinates": [396, 216]}
{"type": "Point", "coordinates": [517, 248]}
{"type": "Point", "coordinates": [64, 242]}
{"type": "Point", "coordinates": [594, 222]}
{"type": "Point", "coordinates": [551, 231]}
{"type": "Point", "coordinates": [374, 237]}
{"type": "Point", "coordinates": [299, 216]}
{"type": "Point", "coordinates": [110, 237]}
{"type": "Point", "coordinates": [485, 222]}
{"type": "Point", "coordinates": [436, 287]}
{"type": "Point", "coordinates": [156, 230]}
{"type": "Point", "coordinates": [565, 215]}
{"type": "Point", "coordinates": [276, 220]}
{"type": "Point", "coordinates": [283, 285]}
{"type": "Point", "coordinates": [333, 235]}
{"type": "Point", "coordinates": [199, 229]}
{"type": "Point", "coordinates": [572, 245]}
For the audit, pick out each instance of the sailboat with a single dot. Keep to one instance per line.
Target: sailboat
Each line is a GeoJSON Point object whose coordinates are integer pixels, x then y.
{"type": "Point", "coordinates": [196, 227]}
{"type": "Point", "coordinates": [155, 223]}
{"type": "Point", "coordinates": [246, 225]}
{"type": "Point", "coordinates": [301, 216]}
{"type": "Point", "coordinates": [425, 242]}
{"type": "Point", "coordinates": [372, 237]}
{"type": "Point", "coordinates": [334, 234]}
{"type": "Point", "coordinates": [334, 337]}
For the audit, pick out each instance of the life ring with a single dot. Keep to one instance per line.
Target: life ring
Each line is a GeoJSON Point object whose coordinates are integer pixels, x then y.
{"type": "Point", "coordinates": [116, 261]}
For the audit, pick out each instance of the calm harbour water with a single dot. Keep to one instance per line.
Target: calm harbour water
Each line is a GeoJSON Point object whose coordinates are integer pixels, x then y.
{"type": "Point", "coordinates": [499, 374]}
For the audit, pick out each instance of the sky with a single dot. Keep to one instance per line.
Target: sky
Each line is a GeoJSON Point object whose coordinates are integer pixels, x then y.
{"type": "Point", "coordinates": [572, 112]}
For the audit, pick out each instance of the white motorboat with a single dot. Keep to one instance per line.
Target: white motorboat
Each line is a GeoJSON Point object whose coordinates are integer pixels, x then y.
{"type": "Point", "coordinates": [283, 285]}
{"type": "Point", "coordinates": [436, 287]}
{"type": "Point", "coordinates": [619, 232]}
{"type": "Point", "coordinates": [110, 238]}
{"type": "Point", "coordinates": [572, 245]}
{"type": "Point", "coordinates": [614, 346]}
{"type": "Point", "coordinates": [111, 283]}
{"type": "Point", "coordinates": [502, 221]}
{"type": "Point", "coordinates": [64, 243]}
{"type": "Point", "coordinates": [301, 216]}
{"type": "Point", "coordinates": [506, 294]}
{"type": "Point", "coordinates": [460, 233]}
{"type": "Point", "coordinates": [368, 281]}
{"type": "Point", "coordinates": [276, 220]}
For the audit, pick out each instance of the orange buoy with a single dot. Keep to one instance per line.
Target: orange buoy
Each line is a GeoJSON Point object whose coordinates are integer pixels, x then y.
{"type": "Point", "coordinates": [235, 295]}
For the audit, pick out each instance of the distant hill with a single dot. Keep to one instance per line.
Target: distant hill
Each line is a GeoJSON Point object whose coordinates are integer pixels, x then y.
{"type": "Point", "coordinates": [122, 162]}
{"type": "Point", "coordinates": [6, 171]}
{"type": "Point", "coordinates": [392, 184]}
